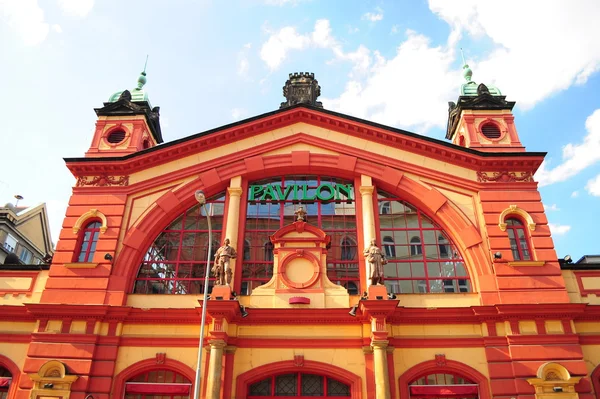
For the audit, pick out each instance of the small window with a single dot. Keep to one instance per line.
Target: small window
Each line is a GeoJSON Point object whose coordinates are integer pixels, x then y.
{"type": "Point", "coordinates": [348, 247]}
{"type": "Point", "coordinates": [491, 131]}
{"type": "Point", "coordinates": [246, 250]}
{"type": "Point", "coordinates": [88, 240]}
{"type": "Point", "coordinates": [268, 252]}
{"type": "Point", "coordinates": [388, 247]}
{"type": "Point", "coordinates": [415, 246]}
{"type": "Point", "coordinates": [146, 144]}
{"type": "Point", "coordinates": [25, 256]}
{"type": "Point", "coordinates": [519, 241]}
{"type": "Point", "coordinates": [116, 137]}
{"type": "Point", "coordinates": [10, 243]}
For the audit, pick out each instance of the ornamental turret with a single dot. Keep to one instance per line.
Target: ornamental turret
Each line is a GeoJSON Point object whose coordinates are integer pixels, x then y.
{"type": "Point", "coordinates": [127, 123]}
{"type": "Point", "coordinates": [482, 118]}
{"type": "Point", "coordinates": [301, 88]}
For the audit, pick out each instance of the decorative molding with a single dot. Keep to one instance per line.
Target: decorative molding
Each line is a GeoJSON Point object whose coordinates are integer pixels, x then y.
{"type": "Point", "coordinates": [440, 360]}
{"type": "Point", "coordinates": [515, 210]}
{"type": "Point", "coordinates": [298, 360]}
{"type": "Point", "coordinates": [103, 181]}
{"type": "Point", "coordinates": [92, 213]}
{"type": "Point", "coordinates": [505, 177]}
{"type": "Point", "coordinates": [82, 265]}
{"type": "Point", "coordinates": [161, 357]}
{"type": "Point", "coordinates": [552, 375]}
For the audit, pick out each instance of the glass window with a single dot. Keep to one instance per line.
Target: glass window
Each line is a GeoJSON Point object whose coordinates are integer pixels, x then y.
{"type": "Point", "coordinates": [329, 205]}
{"type": "Point", "coordinates": [519, 241]}
{"type": "Point", "coordinates": [10, 243]}
{"type": "Point", "coordinates": [176, 260]}
{"type": "Point", "coordinates": [298, 385]}
{"type": "Point", "coordinates": [162, 384]}
{"type": "Point", "coordinates": [25, 256]}
{"type": "Point", "coordinates": [88, 238]}
{"type": "Point", "coordinates": [421, 256]}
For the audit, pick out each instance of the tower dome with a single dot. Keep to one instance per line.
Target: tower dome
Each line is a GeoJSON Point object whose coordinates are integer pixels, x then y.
{"type": "Point", "coordinates": [137, 94]}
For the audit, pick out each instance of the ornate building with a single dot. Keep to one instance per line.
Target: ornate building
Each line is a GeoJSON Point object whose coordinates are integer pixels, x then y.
{"type": "Point", "coordinates": [458, 294]}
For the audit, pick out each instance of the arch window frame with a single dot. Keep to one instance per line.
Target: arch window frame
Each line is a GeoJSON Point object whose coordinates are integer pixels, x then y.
{"type": "Point", "coordinates": [519, 239]}
{"type": "Point", "coordinates": [278, 386]}
{"type": "Point", "coordinates": [87, 241]}
{"type": "Point", "coordinates": [389, 247]}
{"type": "Point", "coordinates": [419, 266]}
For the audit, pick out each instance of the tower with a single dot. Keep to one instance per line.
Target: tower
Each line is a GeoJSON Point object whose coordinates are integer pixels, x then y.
{"type": "Point", "coordinates": [127, 123]}
{"type": "Point", "coordinates": [482, 118]}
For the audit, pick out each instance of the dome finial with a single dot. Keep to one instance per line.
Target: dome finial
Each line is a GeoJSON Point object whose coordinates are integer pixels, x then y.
{"type": "Point", "coordinates": [142, 79]}
{"type": "Point", "coordinates": [467, 73]}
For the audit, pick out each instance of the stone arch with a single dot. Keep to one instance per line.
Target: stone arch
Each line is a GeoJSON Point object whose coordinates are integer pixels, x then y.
{"type": "Point", "coordinates": [91, 214]}
{"type": "Point", "coordinates": [449, 366]}
{"type": "Point", "coordinates": [515, 210]}
{"type": "Point", "coordinates": [553, 375]}
{"type": "Point", "coordinates": [462, 231]}
{"type": "Point", "coordinates": [307, 366]}
{"type": "Point", "coordinates": [149, 365]}
{"type": "Point", "coordinates": [15, 374]}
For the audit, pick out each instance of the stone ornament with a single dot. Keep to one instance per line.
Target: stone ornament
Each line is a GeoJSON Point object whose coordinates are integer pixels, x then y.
{"type": "Point", "coordinates": [221, 268]}
{"type": "Point", "coordinates": [376, 259]}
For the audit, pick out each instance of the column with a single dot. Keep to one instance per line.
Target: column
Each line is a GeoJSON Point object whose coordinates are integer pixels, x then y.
{"type": "Point", "coordinates": [382, 378]}
{"type": "Point", "coordinates": [234, 192]}
{"type": "Point", "coordinates": [215, 365]}
{"type": "Point", "coordinates": [366, 191]}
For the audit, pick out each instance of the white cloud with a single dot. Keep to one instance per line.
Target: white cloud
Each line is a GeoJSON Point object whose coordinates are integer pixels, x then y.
{"type": "Point", "coordinates": [394, 29]}
{"type": "Point", "coordinates": [76, 8]}
{"type": "Point", "coordinates": [575, 157]}
{"type": "Point", "coordinates": [275, 49]}
{"type": "Point", "coordinates": [374, 16]}
{"type": "Point", "coordinates": [559, 229]}
{"type": "Point", "coordinates": [552, 208]}
{"type": "Point", "coordinates": [243, 65]}
{"type": "Point", "coordinates": [26, 18]}
{"type": "Point", "coordinates": [281, 3]}
{"type": "Point", "coordinates": [238, 113]}
{"type": "Point", "coordinates": [575, 194]}
{"type": "Point", "coordinates": [593, 186]}
{"type": "Point", "coordinates": [395, 89]}
{"type": "Point", "coordinates": [543, 48]}
{"type": "Point", "coordinates": [56, 28]}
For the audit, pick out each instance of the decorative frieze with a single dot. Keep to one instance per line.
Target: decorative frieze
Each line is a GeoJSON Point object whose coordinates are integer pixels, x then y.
{"type": "Point", "coordinates": [102, 181]}
{"type": "Point", "coordinates": [505, 177]}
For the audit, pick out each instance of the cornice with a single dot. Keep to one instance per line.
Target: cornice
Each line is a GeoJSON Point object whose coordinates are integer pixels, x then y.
{"type": "Point", "coordinates": [390, 136]}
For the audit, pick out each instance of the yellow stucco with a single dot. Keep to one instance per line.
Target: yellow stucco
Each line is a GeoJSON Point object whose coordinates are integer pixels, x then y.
{"type": "Point", "coordinates": [438, 330]}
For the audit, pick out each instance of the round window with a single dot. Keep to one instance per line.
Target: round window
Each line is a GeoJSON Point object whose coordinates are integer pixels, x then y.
{"type": "Point", "coordinates": [116, 137]}
{"type": "Point", "coordinates": [491, 131]}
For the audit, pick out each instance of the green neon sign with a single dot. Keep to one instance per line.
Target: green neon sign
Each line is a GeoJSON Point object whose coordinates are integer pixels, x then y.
{"type": "Point", "coordinates": [324, 192]}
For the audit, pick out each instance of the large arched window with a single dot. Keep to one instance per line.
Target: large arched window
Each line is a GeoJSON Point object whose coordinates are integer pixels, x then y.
{"type": "Point", "coordinates": [271, 205]}
{"type": "Point", "coordinates": [425, 259]}
{"type": "Point", "coordinates": [5, 382]}
{"type": "Point", "coordinates": [158, 384]}
{"type": "Point", "coordinates": [176, 260]}
{"type": "Point", "coordinates": [519, 241]}
{"type": "Point", "coordinates": [443, 385]}
{"type": "Point", "coordinates": [298, 385]}
{"type": "Point", "coordinates": [88, 238]}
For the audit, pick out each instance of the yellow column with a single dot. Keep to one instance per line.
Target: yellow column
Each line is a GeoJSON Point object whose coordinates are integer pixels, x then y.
{"type": "Point", "coordinates": [215, 365]}
{"type": "Point", "coordinates": [234, 192]}
{"type": "Point", "coordinates": [366, 190]}
{"type": "Point", "coordinates": [382, 379]}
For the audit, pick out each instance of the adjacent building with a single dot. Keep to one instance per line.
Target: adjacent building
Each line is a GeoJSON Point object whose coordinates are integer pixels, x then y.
{"type": "Point", "coordinates": [25, 232]}
{"type": "Point", "coordinates": [318, 207]}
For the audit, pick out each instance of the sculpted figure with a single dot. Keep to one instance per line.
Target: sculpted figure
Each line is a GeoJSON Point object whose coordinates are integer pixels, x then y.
{"type": "Point", "coordinates": [221, 268]}
{"type": "Point", "coordinates": [300, 214]}
{"type": "Point", "coordinates": [376, 259]}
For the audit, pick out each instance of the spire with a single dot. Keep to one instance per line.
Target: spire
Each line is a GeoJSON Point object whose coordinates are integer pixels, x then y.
{"type": "Point", "coordinates": [470, 87]}
{"type": "Point", "coordinates": [138, 93]}
{"type": "Point", "coordinates": [142, 79]}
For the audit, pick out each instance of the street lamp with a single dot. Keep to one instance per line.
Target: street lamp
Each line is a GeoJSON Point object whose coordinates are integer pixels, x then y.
{"type": "Point", "coordinates": [201, 198]}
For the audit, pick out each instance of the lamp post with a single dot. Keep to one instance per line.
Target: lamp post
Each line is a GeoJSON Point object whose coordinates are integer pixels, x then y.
{"type": "Point", "coordinates": [202, 201]}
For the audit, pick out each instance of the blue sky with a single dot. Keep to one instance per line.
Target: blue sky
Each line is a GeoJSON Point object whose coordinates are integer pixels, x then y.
{"type": "Point", "coordinates": [214, 62]}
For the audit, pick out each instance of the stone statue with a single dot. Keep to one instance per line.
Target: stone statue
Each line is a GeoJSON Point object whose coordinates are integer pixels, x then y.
{"type": "Point", "coordinates": [300, 214]}
{"type": "Point", "coordinates": [221, 268]}
{"type": "Point", "coordinates": [376, 259]}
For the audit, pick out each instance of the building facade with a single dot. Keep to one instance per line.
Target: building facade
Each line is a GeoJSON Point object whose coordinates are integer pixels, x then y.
{"type": "Point", "coordinates": [364, 262]}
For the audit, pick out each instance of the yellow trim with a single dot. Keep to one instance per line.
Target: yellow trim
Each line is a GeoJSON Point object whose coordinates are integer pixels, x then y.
{"type": "Point", "coordinates": [82, 265]}
{"type": "Point", "coordinates": [518, 263]}
{"type": "Point", "coordinates": [551, 376]}
{"type": "Point", "coordinates": [92, 213]}
{"type": "Point", "coordinates": [515, 210]}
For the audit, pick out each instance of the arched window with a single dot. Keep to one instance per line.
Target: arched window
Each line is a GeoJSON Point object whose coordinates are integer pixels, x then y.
{"type": "Point", "coordinates": [158, 384]}
{"type": "Point", "coordinates": [299, 385]}
{"type": "Point", "coordinates": [425, 259]}
{"type": "Point", "coordinates": [268, 252]}
{"type": "Point", "coordinates": [443, 385]}
{"type": "Point", "coordinates": [519, 241]}
{"type": "Point", "coordinates": [271, 205]}
{"type": "Point", "coordinates": [246, 250]}
{"type": "Point", "coordinates": [388, 247]}
{"type": "Point", "coordinates": [88, 238]}
{"type": "Point", "coordinates": [415, 246]}
{"type": "Point", "coordinates": [5, 381]}
{"type": "Point", "coordinates": [176, 260]}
